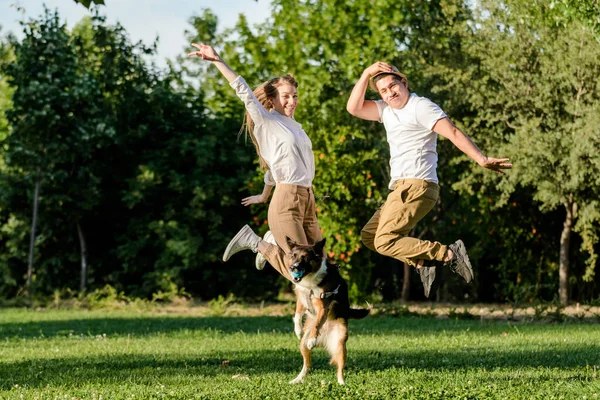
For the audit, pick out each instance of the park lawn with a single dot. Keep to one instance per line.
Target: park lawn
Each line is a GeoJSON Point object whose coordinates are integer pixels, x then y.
{"type": "Point", "coordinates": [137, 354]}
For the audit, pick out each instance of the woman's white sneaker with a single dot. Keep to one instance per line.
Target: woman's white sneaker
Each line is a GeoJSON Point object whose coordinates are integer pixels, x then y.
{"type": "Point", "coordinates": [245, 239]}
{"type": "Point", "coordinates": [260, 260]}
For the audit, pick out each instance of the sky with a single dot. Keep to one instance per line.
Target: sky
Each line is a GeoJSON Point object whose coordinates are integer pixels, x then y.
{"type": "Point", "coordinates": [143, 19]}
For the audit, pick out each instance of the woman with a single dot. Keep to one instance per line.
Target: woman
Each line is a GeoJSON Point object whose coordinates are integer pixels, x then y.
{"type": "Point", "coordinates": [285, 151]}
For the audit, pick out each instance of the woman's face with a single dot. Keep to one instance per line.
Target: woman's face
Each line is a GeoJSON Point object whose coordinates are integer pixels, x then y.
{"type": "Point", "coordinates": [286, 100]}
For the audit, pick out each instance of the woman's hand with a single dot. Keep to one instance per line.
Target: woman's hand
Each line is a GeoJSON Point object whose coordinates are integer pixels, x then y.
{"type": "Point", "coordinates": [257, 199]}
{"type": "Point", "coordinates": [206, 52]}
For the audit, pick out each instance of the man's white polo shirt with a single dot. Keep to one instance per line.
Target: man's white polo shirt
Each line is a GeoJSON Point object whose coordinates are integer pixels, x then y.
{"type": "Point", "coordinates": [412, 142]}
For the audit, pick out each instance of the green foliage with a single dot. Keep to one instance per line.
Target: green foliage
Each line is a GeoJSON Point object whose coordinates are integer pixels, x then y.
{"type": "Point", "coordinates": [6, 92]}
{"type": "Point", "coordinates": [88, 3]}
{"type": "Point", "coordinates": [11, 223]}
{"type": "Point", "coordinates": [543, 111]}
{"type": "Point", "coordinates": [106, 297]}
{"type": "Point", "coordinates": [564, 12]}
{"type": "Point", "coordinates": [219, 305]}
{"type": "Point", "coordinates": [171, 294]}
{"type": "Point", "coordinates": [109, 298]}
{"type": "Point", "coordinates": [147, 163]}
{"type": "Point", "coordinates": [55, 126]}
{"type": "Point", "coordinates": [126, 155]}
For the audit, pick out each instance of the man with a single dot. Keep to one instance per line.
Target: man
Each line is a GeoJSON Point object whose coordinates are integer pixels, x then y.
{"type": "Point", "coordinates": [412, 124]}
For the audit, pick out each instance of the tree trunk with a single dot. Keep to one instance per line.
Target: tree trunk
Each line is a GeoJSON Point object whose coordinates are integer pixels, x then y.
{"type": "Point", "coordinates": [36, 197]}
{"type": "Point", "coordinates": [406, 283]}
{"type": "Point", "coordinates": [565, 242]}
{"type": "Point", "coordinates": [83, 247]}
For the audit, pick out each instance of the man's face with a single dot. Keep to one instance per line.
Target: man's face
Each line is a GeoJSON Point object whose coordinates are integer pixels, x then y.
{"type": "Point", "coordinates": [393, 91]}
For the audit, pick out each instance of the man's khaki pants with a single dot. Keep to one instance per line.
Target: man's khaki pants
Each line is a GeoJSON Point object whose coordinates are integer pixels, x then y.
{"type": "Point", "coordinates": [387, 231]}
{"type": "Point", "coordinates": [292, 213]}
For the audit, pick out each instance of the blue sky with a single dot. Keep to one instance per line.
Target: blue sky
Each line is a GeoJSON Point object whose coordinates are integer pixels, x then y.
{"type": "Point", "coordinates": [143, 20]}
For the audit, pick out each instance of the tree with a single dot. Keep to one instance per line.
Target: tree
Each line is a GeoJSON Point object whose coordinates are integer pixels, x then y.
{"type": "Point", "coordinates": [135, 175]}
{"type": "Point", "coordinates": [169, 179]}
{"type": "Point", "coordinates": [5, 91]}
{"type": "Point", "coordinates": [88, 3]}
{"type": "Point", "coordinates": [565, 12]}
{"type": "Point", "coordinates": [543, 113]}
{"type": "Point", "coordinates": [54, 122]}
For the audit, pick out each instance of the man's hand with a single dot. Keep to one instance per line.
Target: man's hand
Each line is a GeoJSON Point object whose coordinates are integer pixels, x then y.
{"type": "Point", "coordinates": [206, 52]}
{"type": "Point", "coordinates": [496, 164]}
{"type": "Point", "coordinates": [379, 66]}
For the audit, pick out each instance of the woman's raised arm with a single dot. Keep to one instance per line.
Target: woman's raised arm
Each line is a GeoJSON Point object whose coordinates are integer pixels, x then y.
{"type": "Point", "coordinates": [256, 110]}
{"type": "Point", "coordinates": [207, 53]}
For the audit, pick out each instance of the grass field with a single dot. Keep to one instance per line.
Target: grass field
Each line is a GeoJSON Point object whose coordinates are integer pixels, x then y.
{"type": "Point", "coordinates": [138, 354]}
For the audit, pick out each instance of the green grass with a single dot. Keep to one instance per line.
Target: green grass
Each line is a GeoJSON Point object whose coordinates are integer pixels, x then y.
{"type": "Point", "coordinates": [153, 355]}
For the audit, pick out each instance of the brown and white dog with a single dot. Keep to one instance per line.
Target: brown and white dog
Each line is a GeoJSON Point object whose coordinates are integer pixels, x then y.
{"type": "Point", "coordinates": [322, 295]}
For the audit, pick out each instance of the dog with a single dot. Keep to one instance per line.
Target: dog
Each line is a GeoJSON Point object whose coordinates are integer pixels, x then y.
{"type": "Point", "coordinates": [322, 296]}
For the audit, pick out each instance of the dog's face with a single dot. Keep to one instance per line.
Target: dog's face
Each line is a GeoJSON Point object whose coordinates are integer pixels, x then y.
{"type": "Point", "coordinates": [305, 259]}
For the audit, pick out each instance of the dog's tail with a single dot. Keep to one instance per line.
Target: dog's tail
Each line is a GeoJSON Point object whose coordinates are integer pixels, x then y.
{"type": "Point", "coordinates": [358, 313]}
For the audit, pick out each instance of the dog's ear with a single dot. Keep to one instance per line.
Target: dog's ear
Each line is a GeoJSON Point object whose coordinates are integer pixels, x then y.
{"type": "Point", "coordinates": [291, 244]}
{"type": "Point", "coordinates": [319, 247]}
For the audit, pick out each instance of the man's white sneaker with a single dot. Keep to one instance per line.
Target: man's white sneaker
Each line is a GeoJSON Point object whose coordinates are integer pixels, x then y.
{"type": "Point", "coordinates": [245, 239]}
{"type": "Point", "coordinates": [260, 261]}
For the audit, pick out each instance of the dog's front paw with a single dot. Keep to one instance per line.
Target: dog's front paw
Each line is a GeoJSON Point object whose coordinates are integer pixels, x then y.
{"type": "Point", "coordinates": [311, 343]}
{"type": "Point", "coordinates": [298, 325]}
{"type": "Point", "coordinates": [297, 380]}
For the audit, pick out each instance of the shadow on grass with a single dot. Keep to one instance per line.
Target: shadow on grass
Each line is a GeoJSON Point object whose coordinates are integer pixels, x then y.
{"type": "Point", "coordinates": [153, 325]}
{"type": "Point", "coordinates": [147, 369]}
{"type": "Point", "coordinates": [145, 325]}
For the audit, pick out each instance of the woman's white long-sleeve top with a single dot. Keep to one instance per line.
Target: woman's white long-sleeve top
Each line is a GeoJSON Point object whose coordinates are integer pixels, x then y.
{"type": "Point", "coordinates": [283, 144]}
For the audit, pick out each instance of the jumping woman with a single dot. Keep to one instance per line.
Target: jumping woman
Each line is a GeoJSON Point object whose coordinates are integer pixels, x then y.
{"type": "Point", "coordinates": [285, 151]}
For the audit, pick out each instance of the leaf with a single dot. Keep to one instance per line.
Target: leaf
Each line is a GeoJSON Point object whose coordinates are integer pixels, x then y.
{"type": "Point", "coordinates": [88, 3]}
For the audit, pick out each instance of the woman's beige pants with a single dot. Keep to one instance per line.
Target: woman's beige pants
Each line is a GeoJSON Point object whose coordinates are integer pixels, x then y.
{"type": "Point", "coordinates": [292, 213]}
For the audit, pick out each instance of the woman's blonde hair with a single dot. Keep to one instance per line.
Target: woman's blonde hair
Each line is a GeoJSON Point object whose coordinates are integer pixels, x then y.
{"type": "Point", "coordinates": [265, 93]}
